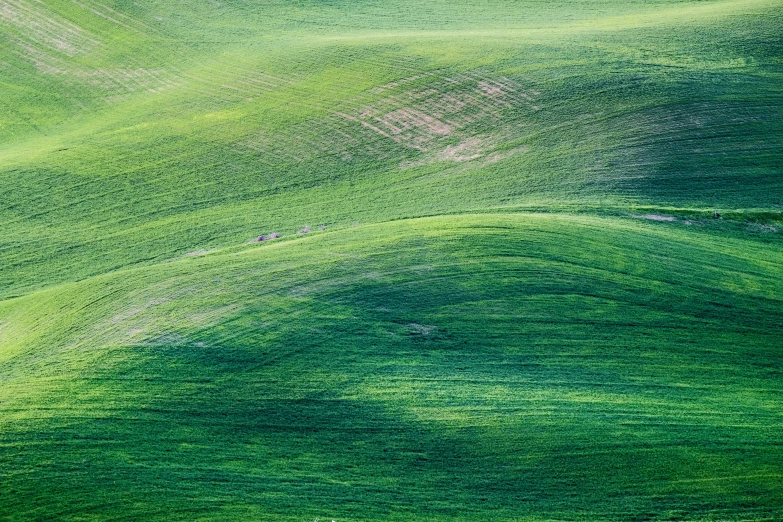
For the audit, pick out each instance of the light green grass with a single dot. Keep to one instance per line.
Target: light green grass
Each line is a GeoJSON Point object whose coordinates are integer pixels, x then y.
{"type": "Point", "coordinates": [489, 328]}
{"type": "Point", "coordinates": [156, 125]}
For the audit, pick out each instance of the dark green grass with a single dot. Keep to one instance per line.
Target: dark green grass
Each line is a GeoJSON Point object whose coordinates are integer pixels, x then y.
{"type": "Point", "coordinates": [537, 348]}
{"type": "Point", "coordinates": [466, 367]}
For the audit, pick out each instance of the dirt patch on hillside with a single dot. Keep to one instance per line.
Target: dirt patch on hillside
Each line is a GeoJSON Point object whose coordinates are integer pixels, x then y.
{"type": "Point", "coordinates": [655, 217]}
{"type": "Point", "coordinates": [478, 149]}
{"type": "Point", "coordinates": [198, 253]}
{"type": "Point", "coordinates": [453, 105]}
{"type": "Point", "coordinates": [458, 117]}
{"type": "Point", "coordinates": [470, 149]}
{"type": "Point", "coordinates": [420, 329]}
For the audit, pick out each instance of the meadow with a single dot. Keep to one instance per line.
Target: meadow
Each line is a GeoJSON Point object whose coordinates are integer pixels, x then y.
{"type": "Point", "coordinates": [542, 278]}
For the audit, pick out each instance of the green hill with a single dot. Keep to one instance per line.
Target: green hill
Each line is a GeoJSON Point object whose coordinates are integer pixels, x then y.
{"type": "Point", "coordinates": [542, 278]}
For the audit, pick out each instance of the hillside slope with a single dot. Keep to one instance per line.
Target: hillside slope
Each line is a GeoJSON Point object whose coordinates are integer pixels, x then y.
{"type": "Point", "coordinates": [542, 273]}
{"type": "Point", "coordinates": [465, 367]}
{"type": "Point", "coordinates": [156, 130]}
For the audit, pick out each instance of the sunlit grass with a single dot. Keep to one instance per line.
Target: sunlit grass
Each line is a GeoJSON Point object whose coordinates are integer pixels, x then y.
{"type": "Point", "coordinates": [529, 264]}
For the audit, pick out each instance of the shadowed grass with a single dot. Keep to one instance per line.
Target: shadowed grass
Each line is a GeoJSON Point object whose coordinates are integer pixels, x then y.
{"type": "Point", "coordinates": [468, 366]}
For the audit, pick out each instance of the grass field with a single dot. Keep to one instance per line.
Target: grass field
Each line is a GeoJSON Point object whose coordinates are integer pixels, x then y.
{"type": "Point", "coordinates": [543, 278]}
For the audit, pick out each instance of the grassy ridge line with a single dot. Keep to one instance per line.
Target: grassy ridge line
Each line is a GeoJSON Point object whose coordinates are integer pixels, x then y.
{"type": "Point", "coordinates": [683, 116]}
{"type": "Point", "coordinates": [502, 366]}
{"type": "Point", "coordinates": [691, 16]}
{"type": "Point", "coordinates": [695, 14]}
{"type": "Point", "coordinates": [314, 43]}
{"type": "Point", "coordinates": [160, 239]}
{"type": "Point", "coordinates": [728, 249]}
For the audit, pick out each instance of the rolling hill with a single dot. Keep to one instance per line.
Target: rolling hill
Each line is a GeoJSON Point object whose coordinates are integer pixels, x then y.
{"type": "Point", "coordinates": [530, 264]}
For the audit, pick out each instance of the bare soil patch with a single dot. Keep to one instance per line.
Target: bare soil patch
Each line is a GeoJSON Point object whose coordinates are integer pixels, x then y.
{"type": "Point", "coordinates": [655, 217]}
